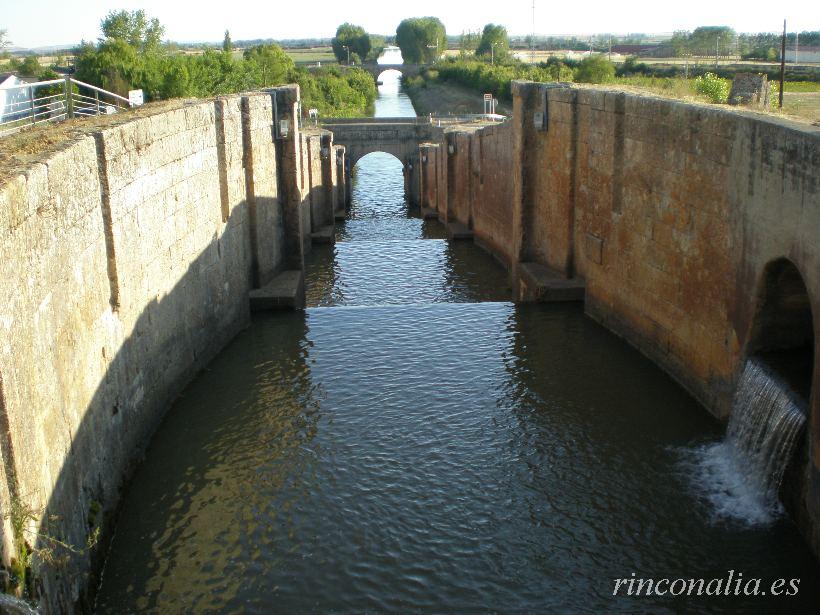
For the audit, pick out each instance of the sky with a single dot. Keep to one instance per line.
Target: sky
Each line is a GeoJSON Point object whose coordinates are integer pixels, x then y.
{"type": "Point", "coordinates": [57, 22]}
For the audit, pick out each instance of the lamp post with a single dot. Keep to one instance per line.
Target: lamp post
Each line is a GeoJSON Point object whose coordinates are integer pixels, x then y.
{"type": "Point", "coordinates": [492, 51]}
{"type": "Point", "coordinates": [348, 53]}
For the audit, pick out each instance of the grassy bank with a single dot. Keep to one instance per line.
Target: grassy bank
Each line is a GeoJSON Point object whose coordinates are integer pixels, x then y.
{"type": "Point", "coordinates": [442, 98]}
{"type": "Point", "coordinates": [457, 86]}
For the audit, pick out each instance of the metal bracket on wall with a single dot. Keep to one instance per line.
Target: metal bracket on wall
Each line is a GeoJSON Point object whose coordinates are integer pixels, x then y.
{"type": "Point", "coordinates": [540, 119]}
{"type": "Point", "coordinates": [275, 105]}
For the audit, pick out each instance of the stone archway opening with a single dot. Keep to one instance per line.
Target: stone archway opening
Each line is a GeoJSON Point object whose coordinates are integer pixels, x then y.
{"type": "Point", "coordinates": [389, 81]}
{"type": "Point", "coordinates": [783, 330]}
{"type": "Point", "coordinates": [378, 186]}
{"type": "Point", "coordinates": [783, 338]}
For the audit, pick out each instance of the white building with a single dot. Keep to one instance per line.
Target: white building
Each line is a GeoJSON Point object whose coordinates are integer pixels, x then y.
{"type": "Point", "coordinates": [12, 99]}
{"type": "Point", "coordinates": [805, 55]}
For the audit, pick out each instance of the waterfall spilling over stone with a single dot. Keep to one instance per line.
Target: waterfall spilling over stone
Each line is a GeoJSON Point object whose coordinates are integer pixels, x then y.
{"type": "Point", "coordinates": [764, 427]}
{"type": "Point", "coordinates": [741, 475]}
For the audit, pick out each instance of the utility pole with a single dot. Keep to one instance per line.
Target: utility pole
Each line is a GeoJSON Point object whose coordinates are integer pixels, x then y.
{"type": "Point", "coordinates": [782, 64]}
{"type": "Point", "coordinates": [717, 40]}
{"type": "Point", "coordinates": [532, 38]}
{"type": "Point", "coordinates": [796, 45]}
{"type": "Point", "coordinates": [348, 53]}
{"type": "Point", "coordinates": [610, 48]}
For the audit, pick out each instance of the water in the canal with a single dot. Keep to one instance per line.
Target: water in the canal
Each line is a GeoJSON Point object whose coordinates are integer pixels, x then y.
{"type": "Point", "coordinates": [413, 442]}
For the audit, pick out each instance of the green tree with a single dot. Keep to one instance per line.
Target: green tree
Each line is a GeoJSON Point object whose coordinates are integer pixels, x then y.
{"type": "Point", "coordinates": [134, 28]}
{"type": "Point", "coordinates": [680, 43]}
{"type": "Point", "coordinates": [175, 79]}
{"type": "Point", "coordinates": [113, 65]}
{"type": "Point", "coordinates": [494, 41]}
{"type": "Point", "coordinates": [704, 39]}
{"type": "Point", "coordinates": [227, 44]}
{"type": "Point", "coordinates": [421, 39]}
{"type": "Point", "coordinates": [271, 61]}
{"type": "Point", "coordinates": [377, 45]}
{"type": "Point", "coordinates": [467, 43]}
{"type": "Point", "coordinates": [595, 69]}
{"type": "Point", "coordinates": [4, 41]}
{"type": "Point", "coordinates": [354, 38]}
{"type": "Point", "coordinates": [30, 67]}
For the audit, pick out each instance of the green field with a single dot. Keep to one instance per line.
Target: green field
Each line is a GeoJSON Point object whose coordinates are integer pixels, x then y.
{"type": "Point", "coordinates": [314, 54]}
{"type": "Point", "coordinates": [303, 56]}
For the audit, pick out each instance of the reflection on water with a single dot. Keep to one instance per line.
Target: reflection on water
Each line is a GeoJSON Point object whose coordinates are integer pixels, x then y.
{"type": "Point", "coordinates": [392, 102]}
{"type": "Point", "coordinates": [383, 256]}
{"type": "Point", "coordinates": [428, 450]}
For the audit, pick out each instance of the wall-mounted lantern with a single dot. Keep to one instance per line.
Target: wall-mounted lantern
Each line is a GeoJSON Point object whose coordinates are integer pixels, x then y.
{"type": "Point", "coordinates": [325, 152]}
{"type": "Point", "coordinates": [424, 158]}
{"type": "Point", "coordinates": [284, 128]}
{"type": "Point", "coordinates": [451, 148]}
{"type": "Point", "coordinates": [410, 166]}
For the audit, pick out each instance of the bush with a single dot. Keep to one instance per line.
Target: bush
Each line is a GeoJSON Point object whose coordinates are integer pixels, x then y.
{"type": "Point", "coordinates": [495, 79]}
{"type": "Point", "coordinates": [713, 87]}
{"type": "Point", "coordinates": [595, 69]}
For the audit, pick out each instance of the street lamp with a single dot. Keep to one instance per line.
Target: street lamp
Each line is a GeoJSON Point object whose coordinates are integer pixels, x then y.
{"type": "Point", "coordinates": [348, 53]}
{"type": "Point", "coordinates": [492, 51]}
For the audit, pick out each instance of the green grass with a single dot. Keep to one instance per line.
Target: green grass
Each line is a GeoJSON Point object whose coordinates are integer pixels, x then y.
{"type": "Point", "coordinates": [799, 86]}
{"type": "Point", "coordinates": [300, 56]}
{"type": "Point", "coordinates": [676, 87]}
{"type": "Point", "coordinates": [315, 54]}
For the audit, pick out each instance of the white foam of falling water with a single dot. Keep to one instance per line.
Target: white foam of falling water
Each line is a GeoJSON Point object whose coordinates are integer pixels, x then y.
{"type": "Point", "coordinates": [741, 475]}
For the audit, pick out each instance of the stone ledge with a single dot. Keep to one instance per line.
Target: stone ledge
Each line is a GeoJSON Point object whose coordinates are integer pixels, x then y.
{"type": "Point", "coordinates": [325, 234]}
{"type": "Point", "coordinates": [542, 284]}
{"type": "Point", "coordinates": [285, 291]}
{"type": "Point", "coordinates": [457, 230]}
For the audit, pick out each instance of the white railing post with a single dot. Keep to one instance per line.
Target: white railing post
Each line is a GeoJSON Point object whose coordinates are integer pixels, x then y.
{"type": "Point", "coordinates": [31, 103]}
{"type": "Point", "coordinates": [69, 97]}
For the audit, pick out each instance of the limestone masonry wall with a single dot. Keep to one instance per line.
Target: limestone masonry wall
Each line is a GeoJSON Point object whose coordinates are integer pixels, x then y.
{"type": "Point", "coordinates": [673, 214]}
{"type": "Point", "coordinates": [128, 258]}
{"type": "Point", "coordinates": [130, 250]}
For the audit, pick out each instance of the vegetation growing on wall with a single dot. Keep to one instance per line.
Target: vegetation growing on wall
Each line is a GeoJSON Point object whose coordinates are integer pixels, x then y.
{"type": "Point", "coordinates": [37, 548]}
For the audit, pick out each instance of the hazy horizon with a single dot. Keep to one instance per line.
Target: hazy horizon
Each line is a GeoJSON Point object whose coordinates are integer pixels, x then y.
{"type": "Point", "coordinates": [206, 21]}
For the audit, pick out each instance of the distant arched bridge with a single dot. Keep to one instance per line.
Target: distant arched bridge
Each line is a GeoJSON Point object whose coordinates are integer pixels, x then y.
{"type": "Point", "coordinates": [407, 70]}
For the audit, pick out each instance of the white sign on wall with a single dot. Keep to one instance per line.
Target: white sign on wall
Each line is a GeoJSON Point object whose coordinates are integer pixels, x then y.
{"type": "Point", "coordinates": [136, 98]}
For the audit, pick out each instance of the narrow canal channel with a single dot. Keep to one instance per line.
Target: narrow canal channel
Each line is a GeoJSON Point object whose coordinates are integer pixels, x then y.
{"type": "Point", "coordinates": [414, 442]}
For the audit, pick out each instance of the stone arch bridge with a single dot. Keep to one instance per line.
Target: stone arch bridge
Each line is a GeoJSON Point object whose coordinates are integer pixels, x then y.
{"type": "Point", "coordinates": [399, 136]}
{"type": "Point", "coordinates": [407, 70]}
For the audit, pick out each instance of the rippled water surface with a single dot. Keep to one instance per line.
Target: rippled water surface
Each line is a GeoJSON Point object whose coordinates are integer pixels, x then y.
{"type": "Point", "coordinates": [416, 443]}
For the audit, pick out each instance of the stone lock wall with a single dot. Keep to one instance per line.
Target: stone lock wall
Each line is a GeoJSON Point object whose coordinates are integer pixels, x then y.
{"type": "Point", "coordinates": [128, 256]}
{"type": "Point", "coordinates": [670, 212]}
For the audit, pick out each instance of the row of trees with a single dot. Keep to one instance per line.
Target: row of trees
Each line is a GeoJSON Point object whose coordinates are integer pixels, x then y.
{"type": "Point", "coordinates": [723, 40]}
{"type": "Point", "coordinates": [130, 55]}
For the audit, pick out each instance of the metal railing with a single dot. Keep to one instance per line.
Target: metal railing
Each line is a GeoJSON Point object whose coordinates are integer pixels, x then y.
{"type": "Point", "coordinates": [59, 99]}
{"type": "Point", "coordinates": [465, 118]}
{"type": "Point", "coordinates": [436, 120]}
